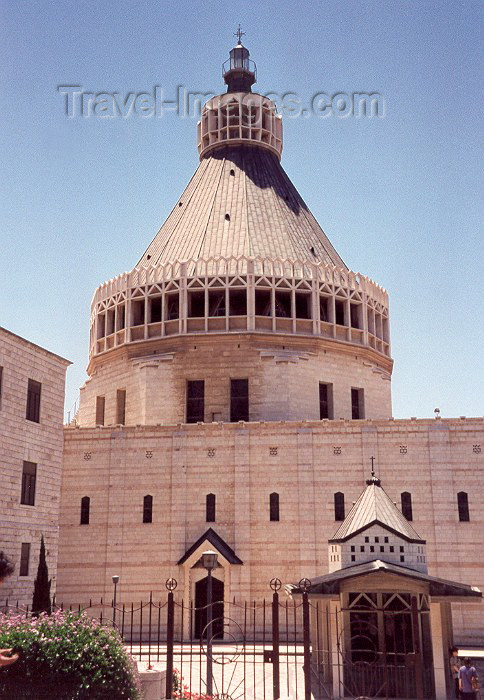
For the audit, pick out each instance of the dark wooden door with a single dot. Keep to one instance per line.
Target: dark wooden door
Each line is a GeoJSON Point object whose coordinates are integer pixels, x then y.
{"type": "Point", "coordinates": [217, 608]}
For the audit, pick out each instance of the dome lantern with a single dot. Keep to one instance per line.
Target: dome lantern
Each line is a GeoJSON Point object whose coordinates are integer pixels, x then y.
{"type": "Point", "coordinates": [239, 71]}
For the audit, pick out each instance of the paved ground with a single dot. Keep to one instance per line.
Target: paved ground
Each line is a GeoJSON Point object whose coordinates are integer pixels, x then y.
{"type": "Point", "coordinates": [236, 675]}
{"type": "Point", "coordinates": [246, 676]}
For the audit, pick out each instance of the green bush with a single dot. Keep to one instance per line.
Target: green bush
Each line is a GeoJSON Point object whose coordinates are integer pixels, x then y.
{"type": "Point", "coordinates": [65, 656]}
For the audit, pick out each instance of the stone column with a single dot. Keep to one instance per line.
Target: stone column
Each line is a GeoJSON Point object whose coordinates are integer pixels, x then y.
{"type": "Point", "coordinates": [439, 652]}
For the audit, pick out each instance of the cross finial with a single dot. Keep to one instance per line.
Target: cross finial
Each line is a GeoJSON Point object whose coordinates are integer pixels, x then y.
{"type": "Point", "coordinates": [239, 34]}
{"type": "Point", "coordinates": [373, 480]}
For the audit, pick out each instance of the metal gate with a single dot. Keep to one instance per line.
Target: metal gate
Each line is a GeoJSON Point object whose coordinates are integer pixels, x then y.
{"type": "Point", "coordinates": [277, 648]}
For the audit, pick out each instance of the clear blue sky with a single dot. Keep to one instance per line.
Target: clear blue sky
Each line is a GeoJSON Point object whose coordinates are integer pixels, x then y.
{"type": "Point", "coordinates": [399, 196]}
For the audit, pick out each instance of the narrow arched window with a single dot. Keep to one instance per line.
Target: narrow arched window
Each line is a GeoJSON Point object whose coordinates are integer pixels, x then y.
{"type": "Point", "coordinates": [85, 510]}
{"type": "Point", "coordinates": [274, 506]}
{"type": "Point", "coordinates": [339, 506]}
{"type": "Point", "coordinates": [406, 499]}
{"type": "Point", "coordinates": [463, 505]}
{"type": "Point", "coordinates": [148, 509]}
{"type": "Point", "coordinates": [210, 508]}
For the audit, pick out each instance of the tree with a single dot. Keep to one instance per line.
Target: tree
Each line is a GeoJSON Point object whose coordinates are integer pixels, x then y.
{"type": "Point", "coordinates": [41, 599]}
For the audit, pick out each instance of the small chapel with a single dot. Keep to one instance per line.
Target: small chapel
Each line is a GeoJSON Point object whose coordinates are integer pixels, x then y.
{"type": "Point", "coordinates": [381, 625]}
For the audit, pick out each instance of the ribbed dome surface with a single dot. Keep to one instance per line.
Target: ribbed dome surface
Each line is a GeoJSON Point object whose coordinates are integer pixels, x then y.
{"type": "Point", "coordinates": [240, 202]}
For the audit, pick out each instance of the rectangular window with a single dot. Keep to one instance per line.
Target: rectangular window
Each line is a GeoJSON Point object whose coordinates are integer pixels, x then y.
{"type": "Point", "coordinates": [463, 506]}
{"type": "Point", "coordinates": [210, 504]}
{"type": "Point", "coordinates": [339, 310]}
{"type": "Point", "coordinates": [196, 304]}
{"type": "Point", "coordinates": [216, 303]}
{"type": "Point", "coordinates": [148, 509]}
{"type": "Point", "coordinates": [24, 559]}
{"type": "Point", "coordinates": [155, 309]}
{"type": "Point", "coordinates": [110, 321]}
{"type": "Point", "coordinates": [406, 500]}
{"type": "Point", "coordinates": [195, 401]}
{"type": "Point", "coordinates": [33, 401]}
{"type": "Point", "coordinates": [100, 403]}
{"type": "Point", "coordinates": [355, 315]}
{"type": "Point", "coordinates": [137, 312]}
{"type": "Point", "coordinates": [339, 506]}
{"type": "Point", "coordinates": [120, 317]}
{"type": "Point", "coordinates": [324, 308]}
{"type": "Point", "coordinates": [392, 548]}
{"type": "Point", "coordinates": [274, 507]}
{"type": "Point", "coordinates": [238, 302]}
{"type": "Point", "coordinates": [85, 510]}
{"type": "Point", "coordinates": [239, 400]}
{"type": "Point", "coordinates": [101, 326]}
{"type": "Point", "coordinates": [283, 304]}
{"type": "Point", "coordinates": [172, 306]}
{"type": "Point", "coordinates": [303, 305]}
{"type": "Point", "coordinates": [325, 400]}
{"type": "Point", "coordinates": [262, 302]}
{"type": "Point", "coordinates": [29, 477]}
{"type": "Point", "coordinates": [121, 406]}
{"type": "Point", "coordinates": [357, 404]}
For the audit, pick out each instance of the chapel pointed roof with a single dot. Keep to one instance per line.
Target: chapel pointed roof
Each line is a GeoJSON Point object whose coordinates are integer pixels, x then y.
{"type": "Point", "coordinates": [374, 506]}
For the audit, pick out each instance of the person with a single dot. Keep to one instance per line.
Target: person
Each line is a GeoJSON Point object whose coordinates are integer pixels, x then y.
{"type": "Point", "coordinates": [468, 680]}
{"type": "Point", "coordinates": [455, 664]}
{"type": "Point", "coordinates": [6, 569]}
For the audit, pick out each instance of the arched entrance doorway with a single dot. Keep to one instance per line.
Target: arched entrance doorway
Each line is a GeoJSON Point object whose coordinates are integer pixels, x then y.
{"type": "Point", "coordinates": [217, 608]}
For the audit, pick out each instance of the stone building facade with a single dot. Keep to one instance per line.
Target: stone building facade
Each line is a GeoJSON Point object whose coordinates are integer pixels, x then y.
{"type": "Point", "coordinates": [239, 384]}
{"type": "Point", "coordinates": [32, 382]}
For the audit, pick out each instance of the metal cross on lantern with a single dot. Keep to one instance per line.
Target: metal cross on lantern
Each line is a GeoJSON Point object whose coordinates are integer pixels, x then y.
{"type": "Point", "coordinates": [239, 34]}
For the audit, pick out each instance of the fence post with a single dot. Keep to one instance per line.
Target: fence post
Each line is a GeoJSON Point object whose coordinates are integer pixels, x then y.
{"type": "Point", "coordinates": [169, 645]}
{"type": "Point", "coordinates": [417, 649]}
{"type": "Point", "coordinates": [275, 644]}
{"type": "Point", "coordinates": [307, 647]}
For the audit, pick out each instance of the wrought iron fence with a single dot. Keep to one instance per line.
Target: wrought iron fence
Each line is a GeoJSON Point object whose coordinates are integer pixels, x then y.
{"type": "Point", "coordinates": [276, 648]}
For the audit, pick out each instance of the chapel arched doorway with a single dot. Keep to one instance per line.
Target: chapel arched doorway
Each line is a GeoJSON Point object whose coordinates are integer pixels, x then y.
{"type": "Point", "coordinates": [201, 599]}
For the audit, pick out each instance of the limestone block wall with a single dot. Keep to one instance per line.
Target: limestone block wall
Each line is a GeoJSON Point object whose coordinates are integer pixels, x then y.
{"type": "Point", "coordinates": [284, 376]}
{"type": "Point", "coordinates": [305, 462]}
{"type": "Point", "coordinates": [40, 443]}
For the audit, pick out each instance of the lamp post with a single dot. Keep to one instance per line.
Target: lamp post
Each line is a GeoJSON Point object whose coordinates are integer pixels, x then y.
{"type": "Point", "coordinates": [115, 582]}
{"type": "Point", "coordinates": [209, 562]}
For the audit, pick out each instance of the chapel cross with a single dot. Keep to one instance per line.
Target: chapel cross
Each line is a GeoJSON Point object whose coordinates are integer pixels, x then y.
{"type": "Point", "coordinates": [372, 459]}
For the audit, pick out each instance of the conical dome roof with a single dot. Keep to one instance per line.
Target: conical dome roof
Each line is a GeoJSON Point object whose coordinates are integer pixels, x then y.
{"type": "Point", "coordinates": [240, 202]}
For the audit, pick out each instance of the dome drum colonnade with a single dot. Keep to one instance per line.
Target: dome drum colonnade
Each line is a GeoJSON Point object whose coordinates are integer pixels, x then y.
{"type": "Point", "coordinates": [236, 295]}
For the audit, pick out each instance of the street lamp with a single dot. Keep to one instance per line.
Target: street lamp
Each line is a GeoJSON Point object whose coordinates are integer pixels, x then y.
{"type": "Point", "coordinates": [209, 562]}
{"type": "Point", "coordinates": [115, 582]}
